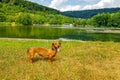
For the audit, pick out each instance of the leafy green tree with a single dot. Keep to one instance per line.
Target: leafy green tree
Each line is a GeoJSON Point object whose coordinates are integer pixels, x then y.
{"type": "Point", "coordinates": [89, 22]}
{"type": "Point", "coordinates": [1, 5]}
{"type": "Point", "coordinates": [5, 1]}
{"type": "Point", "coordinates": [115, 20]}
{"type": "Point", "coordinates": [101, 20]}
{"type": "Point", "coordinates": [84, 13]}
{"type": "Point", "coordinates": [16, 2]}
{"type": "Point", "coordinates": [2, 17]}
{"type": "Point", "coordinates": [24, 19]}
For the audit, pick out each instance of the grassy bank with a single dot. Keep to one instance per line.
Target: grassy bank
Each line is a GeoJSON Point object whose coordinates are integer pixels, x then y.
{"type": "Point", "coordinates": [76, 61]}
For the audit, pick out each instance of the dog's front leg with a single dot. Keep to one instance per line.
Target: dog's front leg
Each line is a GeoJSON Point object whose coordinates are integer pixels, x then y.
{"type": "Point", "coordinates": [50, 58]}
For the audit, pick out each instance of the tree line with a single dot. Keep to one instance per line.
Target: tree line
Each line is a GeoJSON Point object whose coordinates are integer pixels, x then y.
{"type": "Point", "coordinates": [29, 5]}
{"type": "Point", "coordinates": [13, 12]}
{"type": "Point", "coordinates": [85, 14]}
{"type": "Point", "coordinates": [102, 20]}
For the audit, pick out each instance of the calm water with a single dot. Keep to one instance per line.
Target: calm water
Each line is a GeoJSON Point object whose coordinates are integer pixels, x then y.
{"type": "Point", "coordinates": [56, 33]}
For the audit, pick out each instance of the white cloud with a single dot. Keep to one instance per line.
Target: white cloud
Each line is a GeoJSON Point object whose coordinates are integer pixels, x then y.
{"type": "Point", "coordinates": [70, 8]}
{"type": "Point", "coordinates": [57, 3]}
{"type": "Point", "coordinates": [92, 4]}
{"type": "Point", "coordinates": [103, 4]}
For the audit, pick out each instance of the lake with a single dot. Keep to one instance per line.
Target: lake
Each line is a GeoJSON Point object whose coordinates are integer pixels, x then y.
{"type": "Point", "coordinates": [36, 32]}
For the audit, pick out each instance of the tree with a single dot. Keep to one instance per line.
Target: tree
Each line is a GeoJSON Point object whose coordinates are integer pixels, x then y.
{"type": "Point", "coordinates": [2, 18]}
{"type": "Point", "coordinates": [1, 5]}
{"type": "Point", "coordinates": [115, 20]}
{"type": "Point", "coordinates": [16, 2]}
{"type": "Point", "coordinates": [5, 1]}
{"type": "Point", "coordinates": [24, 19]}
{"type": "Point", "coordinates": [101, 20]}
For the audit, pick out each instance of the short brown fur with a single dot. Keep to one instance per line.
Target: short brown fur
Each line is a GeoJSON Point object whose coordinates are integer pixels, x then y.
{"type": "Point", "coordinates": [49, 53]}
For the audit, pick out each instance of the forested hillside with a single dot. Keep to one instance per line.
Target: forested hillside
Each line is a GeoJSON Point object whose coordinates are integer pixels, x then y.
{"type": "Point", "coordinates": [89, 13]}
{"type": "Point", "coordinates": [23, 12]}
{"type": "Point", "coordinates": [26, 13]}
{"type": "Point", "coordinates": [29, 5]}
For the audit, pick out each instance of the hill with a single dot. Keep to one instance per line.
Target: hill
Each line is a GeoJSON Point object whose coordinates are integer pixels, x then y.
{"type": "Point", "coordinates": [89, 13]}
{"type": "Point", "coordinates": [29, 5]}
{"type": "Point", "coordinates": [26, 13]}
{"type": "Point", "coordinates": [23, 12]}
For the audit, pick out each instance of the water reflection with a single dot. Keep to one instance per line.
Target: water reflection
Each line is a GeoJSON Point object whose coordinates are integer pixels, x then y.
{"type": "Point", "coordinates": [56, 33]}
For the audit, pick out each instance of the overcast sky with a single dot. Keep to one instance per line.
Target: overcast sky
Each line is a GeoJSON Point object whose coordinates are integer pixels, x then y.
{"type": "Point", "coordinates": [70, 5]}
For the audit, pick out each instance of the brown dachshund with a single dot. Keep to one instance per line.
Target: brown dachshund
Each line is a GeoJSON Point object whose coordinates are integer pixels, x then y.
{"type": "Point", "coordinates": [49, 53]}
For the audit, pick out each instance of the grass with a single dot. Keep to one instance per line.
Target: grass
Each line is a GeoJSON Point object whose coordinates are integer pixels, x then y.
{"type": "Point", "coordinates": [76, 61]}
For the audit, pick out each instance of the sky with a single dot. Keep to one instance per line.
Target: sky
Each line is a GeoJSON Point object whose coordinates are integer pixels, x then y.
{"type": "Point", "coordinates": [72, 5]}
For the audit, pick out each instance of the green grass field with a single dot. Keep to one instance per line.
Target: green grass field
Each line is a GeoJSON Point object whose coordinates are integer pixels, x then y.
{"type": "Point", "coordinates": [76, 61]}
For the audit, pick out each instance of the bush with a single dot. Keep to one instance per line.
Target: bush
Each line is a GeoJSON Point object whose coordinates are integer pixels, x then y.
{"type": "Point", "coordinates": [101, 20]}
{"type": "Point", "coordinates": [24, 19]}
{"type": "Point", "coordinates": [5, 1]}
{"type": "Point", "coordinates": [2, 18]}
{"type": "Point", "coordinates": [1, 5]}
{"type": "Point", "coordinates": [115, 20]}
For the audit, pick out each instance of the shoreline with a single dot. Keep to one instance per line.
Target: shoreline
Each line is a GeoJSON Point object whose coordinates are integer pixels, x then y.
{"type": "Point", "coordinates": [28, 39]}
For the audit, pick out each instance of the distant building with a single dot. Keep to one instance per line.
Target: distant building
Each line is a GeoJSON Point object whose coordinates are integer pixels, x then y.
{"type": "Point", "coordinates": [67, 25]}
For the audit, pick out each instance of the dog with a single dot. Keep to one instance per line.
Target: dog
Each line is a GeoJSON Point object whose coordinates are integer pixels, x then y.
{"type": "Point", "coordinates": [49, 53]}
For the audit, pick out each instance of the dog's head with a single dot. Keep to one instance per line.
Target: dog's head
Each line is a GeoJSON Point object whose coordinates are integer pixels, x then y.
{"type": "Point", "coordinates": [56, 46]}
